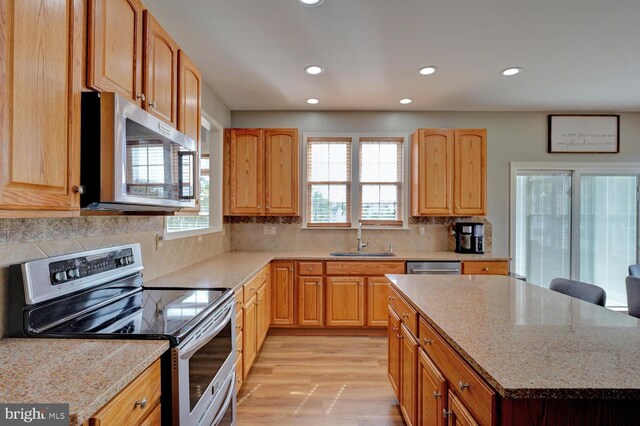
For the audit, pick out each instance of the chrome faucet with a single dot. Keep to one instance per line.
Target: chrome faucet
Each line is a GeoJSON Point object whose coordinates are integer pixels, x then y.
{"type": "Point", "coordinates": [361, 246]}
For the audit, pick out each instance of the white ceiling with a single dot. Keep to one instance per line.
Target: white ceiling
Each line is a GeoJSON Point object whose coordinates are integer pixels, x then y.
{"type": "Point", "coordinates": [577, 54]}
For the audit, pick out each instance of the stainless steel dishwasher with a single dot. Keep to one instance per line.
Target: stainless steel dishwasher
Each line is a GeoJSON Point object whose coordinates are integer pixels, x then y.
{"type": "Point", "coordinates": [434, 268]}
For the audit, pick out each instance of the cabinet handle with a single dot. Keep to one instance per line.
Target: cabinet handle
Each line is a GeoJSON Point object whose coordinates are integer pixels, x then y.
{"type": "Point", "coordinates": [268, 206]}
{"type": "Point", "coordinates": [395, 328]}
{"type": "Point", "coordinates": [428, 341]}
{"type": "Point", "coordinates": [399, 336]}
{"type": "Point", "coordinates": [80, 189]}
{"type": "Point", "coordinates": [259, 206]}
{"type": "Point", "coordinates": [392, 298]}
{"type": "Point", "coordinates": [140, 404]}
{"type": "Point", "coordinates": [445, 413]}
{"type": "Point", "coordinates": [309, 268]}
{"type": "Point", "coordinates": [152, 104]}
{"type": "Point", "coordinates": [142, 97]}
{"type": "Point", "coordinates": [485, 269]}
{"type": "Point", "coordinates": [436, 394]}
{"type": "Point", "coordinates": [463, 385]}
{"type": "Point", "coordinates": [405, 315]}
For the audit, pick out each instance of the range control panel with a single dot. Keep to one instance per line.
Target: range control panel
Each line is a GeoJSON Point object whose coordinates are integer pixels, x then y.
{"type": "Point", "coordinates": [83, 266]}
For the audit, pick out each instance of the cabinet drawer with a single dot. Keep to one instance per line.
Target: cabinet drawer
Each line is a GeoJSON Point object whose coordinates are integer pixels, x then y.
{"type": "Point", "coordinates": [239, 294]}
{"type": "Point", "coordinates": [239, 322]}
{"type": "Point", "coordinates": [254, 284]}
{"type": "Point", "coordinates": [154, 418]}
{"type": "Point", "coordinates": [310, 268]}
{"type": "Point", "coordinates": [493, 267]}
{"type": "Point", "coordinates": [407, 314]}
{"type": "Point", "coordinates": [479, 398]}
{"type": "Point", "coordinates": [125, 408]}
{"type": "Point", "coordinates": [364, 268]}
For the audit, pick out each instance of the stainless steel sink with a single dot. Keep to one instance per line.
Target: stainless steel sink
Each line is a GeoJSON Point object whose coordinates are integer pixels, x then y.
{"type": "Point", "coordinates": [363, 254]}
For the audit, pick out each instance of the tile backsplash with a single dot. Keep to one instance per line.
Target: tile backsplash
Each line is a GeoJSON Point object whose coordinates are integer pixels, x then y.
{"type": "Point", "coordinates": [22, 240]}
{"type": "Point", "coordinates": [424, 234]}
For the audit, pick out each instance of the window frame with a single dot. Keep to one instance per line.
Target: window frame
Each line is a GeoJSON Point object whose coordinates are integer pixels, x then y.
{"type": "Point", "coordinates": [215, 184]}
{"type": "Point", "coordinates": [355, 184]}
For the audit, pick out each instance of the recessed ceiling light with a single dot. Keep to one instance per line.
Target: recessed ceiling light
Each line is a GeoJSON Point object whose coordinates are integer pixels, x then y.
{"type": "Point", "coordinates": [312, 101]}
{"type": "Point", "coordinates": [314, 69]}
{"type": "Point", "coordinates": [310, 3]}
{"type": "Point", "coordinates": [427, 70]}
{"type": "Point", "coordinates": [405, 101]}
{"type": "Point", "coordinates": [511, 71]}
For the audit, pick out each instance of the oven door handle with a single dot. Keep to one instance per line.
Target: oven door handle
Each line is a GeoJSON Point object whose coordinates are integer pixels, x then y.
{"type": "Point", "coordinates": [225, 406]}
{"type": "Point", "coordinates": [204, 338]}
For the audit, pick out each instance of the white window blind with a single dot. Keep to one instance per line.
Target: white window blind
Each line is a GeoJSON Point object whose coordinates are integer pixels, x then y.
{"type": "Point", "coordinates": [329, 181]}
{"type": "Point", "coordinates": [380, 163]}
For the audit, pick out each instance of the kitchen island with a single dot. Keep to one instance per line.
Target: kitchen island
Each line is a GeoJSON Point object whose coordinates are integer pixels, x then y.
{"type": "Point", "coordinates": [533, 356]}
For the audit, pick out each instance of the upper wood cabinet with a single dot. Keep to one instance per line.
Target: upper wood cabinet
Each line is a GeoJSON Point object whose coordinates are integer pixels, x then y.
{"type": "Point", "coordinates": [261, 172]}
{"type": "Point", "coordinates": [448, 172]}
{"type": "Point", "coordinates": [114, 47]}
{"type": "Point", "coordinates": [431, 172]}
{"type": "Point", "coordinates": [40, 84]}
{"type": "Point", "coordinates": [189, 97]}
{"type": "Point", "coordinates": [161, 71]}
{"type": "Point", "coordinates": [470, 172]}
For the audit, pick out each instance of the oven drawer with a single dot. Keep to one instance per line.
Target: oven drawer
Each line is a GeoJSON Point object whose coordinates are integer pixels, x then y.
{"type": "Point", "coordinates": [133, 403]}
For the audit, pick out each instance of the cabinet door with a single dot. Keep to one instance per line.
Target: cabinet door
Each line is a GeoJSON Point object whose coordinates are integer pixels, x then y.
{"type": "Point", "coordinates": [262, 326]}
{"type": "Point", "coordinates": [245, 172]}
{"type": "Point", "coordinates": [40, 84]}
{"type": "Point", "coordinates": [458, 414]}
{"type": "Point", "coordinates": [282, 293]}
{"type": "Point", "coordinates": [409, 375]}
{"type": "Point", "coordinates": [378, 300]}
{"type": "Point", "coordinates": [250, 335]}
{"type": "Point", "coordinates": [345, 301]}
{"type": "Point", "coordinates": [432, 172]}
{"type": "Point", "coordinates": [310, 300]}
{"type": "Point", "coordinates": [470, 172]}
{"type": "Point", "coordinates": [161, 66]}
{"type": "Point", "coordinates": [114, 47]}
{"type": "Point", "coordinates": [432, 392]}
{"type": "Point", "coordinates": [393, 342]}
{"type": "Point", "coordinates": [281, 171]}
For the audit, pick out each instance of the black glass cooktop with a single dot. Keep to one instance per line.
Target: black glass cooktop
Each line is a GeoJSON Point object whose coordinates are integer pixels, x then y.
{"type": "Point", "coordinates": [136, 312]}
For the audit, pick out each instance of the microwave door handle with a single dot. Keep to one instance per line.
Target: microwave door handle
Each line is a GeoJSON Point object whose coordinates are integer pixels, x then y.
{"type": "Point", "coordinates": [191, 348]}
{"type": "Point", "coordinates": [192, 194]}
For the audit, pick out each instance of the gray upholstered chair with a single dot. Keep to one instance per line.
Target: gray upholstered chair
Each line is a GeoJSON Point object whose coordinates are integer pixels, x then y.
{"type": "Point", "coordinates": [633, 296]}
{"type": "Point", "coordinates": [583, 291]}
{"type": "Point", "coordinates": [634, 270]}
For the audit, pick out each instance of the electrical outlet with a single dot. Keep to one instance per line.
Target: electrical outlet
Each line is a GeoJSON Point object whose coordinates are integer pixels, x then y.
{"type": "Point", "coordinates": [159, 242]}
{"type": "Point", "coordinates": [421, 231]}
{"type": "Point", "coordinates": [269, 230]}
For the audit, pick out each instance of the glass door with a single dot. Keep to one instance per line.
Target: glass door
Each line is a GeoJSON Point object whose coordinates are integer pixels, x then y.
{"type": "Point", "coordinates": [608, 232]}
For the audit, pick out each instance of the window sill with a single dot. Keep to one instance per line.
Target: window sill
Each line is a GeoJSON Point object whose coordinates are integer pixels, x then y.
{"type": "Point", "coordinates": [355, 228]}
{"type": "Point", "coordinates": [168, 236]}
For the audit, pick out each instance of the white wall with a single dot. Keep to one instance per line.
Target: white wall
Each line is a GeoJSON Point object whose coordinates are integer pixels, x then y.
{"type": "Point", "coordinates": [215, 107]}
{"type": "Point", "coordinates": [512, 136]}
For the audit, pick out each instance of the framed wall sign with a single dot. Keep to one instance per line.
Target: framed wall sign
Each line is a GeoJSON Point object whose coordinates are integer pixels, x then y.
{"type": "Point", "coordinates": [588, 134]}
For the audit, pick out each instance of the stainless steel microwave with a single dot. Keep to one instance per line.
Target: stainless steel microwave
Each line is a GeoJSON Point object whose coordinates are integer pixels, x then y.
{"type": "Point", "coordinates": [132, 161]}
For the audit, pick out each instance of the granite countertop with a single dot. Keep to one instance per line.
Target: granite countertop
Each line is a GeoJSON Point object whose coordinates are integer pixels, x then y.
{"type": "Point", "coordinates": [528, 341]}
{"type": "Point", "coordinates": [84, 373]}
{"type": "Point", "coordinates": [234, 268]}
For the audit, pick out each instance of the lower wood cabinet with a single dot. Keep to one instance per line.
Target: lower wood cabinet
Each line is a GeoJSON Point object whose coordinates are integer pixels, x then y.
{"type": "Point", "coordinates": [263, 318]}
{"type": "Point", "coordinates": [310, 301]}
{"type": "Point", "coordinates": [408, 375]}
{"type": "Point", "coordinates": [282, 293]}
{"type": "Point", "coordinates": [345, 301]}
{"type": "Point", "coordinates": [137, 404]}
{"type": "Point", "coordinates": [377, 295]}
{"type": "Point", "coordinates": [485, 267]}
{"type": "Point", "coordinates": [432, 392]}
{"type": "Point", "coordinates": [250, 333]}
{"type": "Point", "coordinates": [393, 342]}
{"type": "Point", "coordinates": [457, 413]}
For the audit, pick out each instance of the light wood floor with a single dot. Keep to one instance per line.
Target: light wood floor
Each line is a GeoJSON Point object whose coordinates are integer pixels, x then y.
{"type": "Point", "coordinates": [319, 380]}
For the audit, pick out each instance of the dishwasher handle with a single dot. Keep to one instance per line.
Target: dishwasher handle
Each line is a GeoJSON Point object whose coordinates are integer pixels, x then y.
{"type": "Point", "coordinates": [434, 271]}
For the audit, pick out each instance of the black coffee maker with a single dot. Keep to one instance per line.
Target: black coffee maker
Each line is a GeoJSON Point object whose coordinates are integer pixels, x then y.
{"type": "Point", "coordinates": [469, 237]}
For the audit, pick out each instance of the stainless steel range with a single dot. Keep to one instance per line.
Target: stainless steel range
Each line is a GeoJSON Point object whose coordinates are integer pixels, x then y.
{"type": "Point", "coordinates": [100, 294]}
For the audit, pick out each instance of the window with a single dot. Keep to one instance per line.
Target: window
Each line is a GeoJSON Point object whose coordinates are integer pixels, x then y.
{"type": "Point", "coordinates": [354, 178]}
{"type": "Point", "coordinates": [580, 223]}
{"type": "Point", "coordinates": [209, 218]}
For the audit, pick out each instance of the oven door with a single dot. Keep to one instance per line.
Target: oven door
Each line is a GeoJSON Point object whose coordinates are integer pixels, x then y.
{"type": "Point", "coordinates": [201, 368]}
{"type": "Point", "coordinates": [154, 163]}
